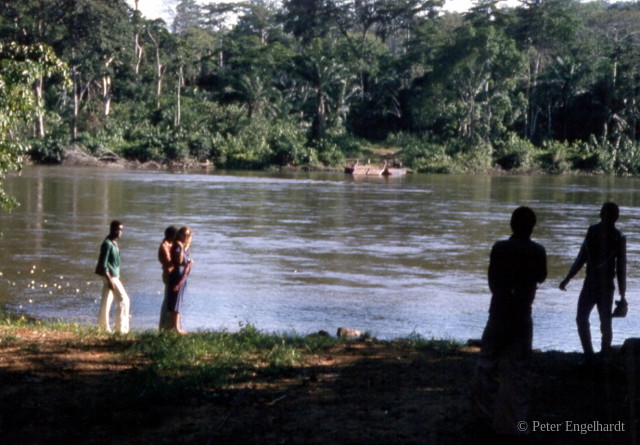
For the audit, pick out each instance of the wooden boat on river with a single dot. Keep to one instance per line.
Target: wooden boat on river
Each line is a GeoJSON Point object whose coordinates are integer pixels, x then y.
{"type": "Point", "coordinates": [395, 169]}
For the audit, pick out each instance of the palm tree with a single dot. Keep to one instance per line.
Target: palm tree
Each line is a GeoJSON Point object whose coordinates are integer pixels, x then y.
{"type": "Point", "coordinates": [259, 97]}
{"type": "Point", "coordinates": [329, 82]}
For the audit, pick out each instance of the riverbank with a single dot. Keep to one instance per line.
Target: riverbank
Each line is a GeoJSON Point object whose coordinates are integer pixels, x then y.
{"type": "Point", "coordinates": [62, 383]}
{"type": "Point", "coordinates": [75, 157]}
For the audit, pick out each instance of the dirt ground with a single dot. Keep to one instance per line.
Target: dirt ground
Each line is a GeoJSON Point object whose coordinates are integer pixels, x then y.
{"type": "Point", "coordinates": [55, 389]}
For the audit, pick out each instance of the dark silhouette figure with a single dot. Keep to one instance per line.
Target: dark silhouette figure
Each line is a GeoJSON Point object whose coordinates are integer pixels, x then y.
{"type": "Point", "coordinates": [164, 257]}
{"type": "Point", "coordinates": [501, 388]}
{"type": "Point", "coordinates": [604, 252]}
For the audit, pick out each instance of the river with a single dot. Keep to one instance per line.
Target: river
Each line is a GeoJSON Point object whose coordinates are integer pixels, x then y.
{"type": "Point", "coordinates": [306, 252]}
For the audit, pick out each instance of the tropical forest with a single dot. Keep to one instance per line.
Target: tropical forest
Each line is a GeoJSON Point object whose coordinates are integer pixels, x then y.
{"type": "Point", "coordinates": [546, 86]}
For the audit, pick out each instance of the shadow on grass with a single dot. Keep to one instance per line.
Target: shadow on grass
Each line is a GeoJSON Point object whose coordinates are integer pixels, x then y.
{"type": "Point", "coordinates": [249, 388]}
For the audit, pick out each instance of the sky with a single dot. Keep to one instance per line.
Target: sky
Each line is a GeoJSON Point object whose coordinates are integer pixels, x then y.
{"type": "Point", "coordinates": [153, 9]}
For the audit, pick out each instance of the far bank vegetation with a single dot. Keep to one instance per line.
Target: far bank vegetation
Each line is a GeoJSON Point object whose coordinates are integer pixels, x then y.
{"type": "Point", "coordinates": [547, 86]}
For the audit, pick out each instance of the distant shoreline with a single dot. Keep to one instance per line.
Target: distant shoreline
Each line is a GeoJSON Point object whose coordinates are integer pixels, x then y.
{"type": "Point", "coordinates": [78, 158]}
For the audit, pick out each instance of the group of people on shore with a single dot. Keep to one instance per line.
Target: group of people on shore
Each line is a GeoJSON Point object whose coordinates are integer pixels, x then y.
{"type": "Point", "coordinates": [517, 265]}
{"type": "Point", "coordinates": [173, 255]}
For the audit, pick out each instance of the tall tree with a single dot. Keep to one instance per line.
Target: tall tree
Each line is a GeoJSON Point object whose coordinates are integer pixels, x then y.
{"type": "Point", "coordinates": [188, 15]}
{"type": "Point", "coordinates": [98, 42]}
{"type": "Point", "coordinates": [138, 48]}
{"type": "Point", "coordinates": [162, 42]}
{"type": "Point", "coordinates": [195, 45]}
{"type": "Point", "coordinates": [545, 29]}
{"type": "Point", "coordinates": [472, 89]}
{"type": "Point", "coordinates": [395, 18]}
{"type": "Point", "coordinates": [617, 29]}
{"type": "Point", "coordinates": [20, 67]}
{"type": "Point", "coordinates": [33, 22]}
{"type": "Point", "coordinates": [258, 17]}
{"type": "Point", "coordinates": [328, 82]}
{"type": "Point", "coordinates": [310, 19]}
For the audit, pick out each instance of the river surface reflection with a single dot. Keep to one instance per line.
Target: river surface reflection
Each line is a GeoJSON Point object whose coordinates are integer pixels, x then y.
{"type": "Point", "coordinates": [305, 252]}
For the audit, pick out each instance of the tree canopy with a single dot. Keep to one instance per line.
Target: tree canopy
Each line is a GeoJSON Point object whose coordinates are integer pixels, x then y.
{"type": "Point", "coordinates": [21, 66]}
{"type": "Point", "coordinates": [548, 84]}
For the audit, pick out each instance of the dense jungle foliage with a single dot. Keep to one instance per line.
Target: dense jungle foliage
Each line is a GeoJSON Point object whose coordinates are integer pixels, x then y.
{"type": "Point", "coordinates": [549, 85]}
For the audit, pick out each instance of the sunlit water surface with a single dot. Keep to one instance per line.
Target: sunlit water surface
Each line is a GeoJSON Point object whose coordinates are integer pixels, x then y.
{"type": "Point", "coordinates": [306, 252]}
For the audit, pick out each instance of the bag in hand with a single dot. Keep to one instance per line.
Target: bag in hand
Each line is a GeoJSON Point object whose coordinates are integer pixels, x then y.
{"type": "Point", "coordinates": [621, 309]}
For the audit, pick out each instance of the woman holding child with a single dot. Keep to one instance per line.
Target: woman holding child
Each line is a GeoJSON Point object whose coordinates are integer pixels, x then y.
{"type": "Point", "coordinates": [177, 282]}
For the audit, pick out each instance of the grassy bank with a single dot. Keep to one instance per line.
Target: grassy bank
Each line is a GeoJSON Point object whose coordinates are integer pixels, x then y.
{"type": "Point", "coordinates": [167, 365]}
{"type": "Point", "coordinates": [65, 383]}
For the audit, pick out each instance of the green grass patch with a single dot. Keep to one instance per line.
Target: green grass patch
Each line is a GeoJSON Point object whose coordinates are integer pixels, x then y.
{"type": "Point", "coordinates": [8, 319]}
{"type": "Point", "coordinates": [168, 367]}
{"type": "Point", "coordinates": [439, 346]}
{"type": "Point", "coordinates": [222, 358]}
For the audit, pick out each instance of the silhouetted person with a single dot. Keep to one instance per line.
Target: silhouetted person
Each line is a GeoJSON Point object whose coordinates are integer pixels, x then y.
{"type": "Point", "coordinates": [164, 256]}
{"type": "Point", "coordinates": [604, 252]}
{"type": "Point", "coordinates": [108, 268]}
{"type": "Point", "coordinates": [501, 390]}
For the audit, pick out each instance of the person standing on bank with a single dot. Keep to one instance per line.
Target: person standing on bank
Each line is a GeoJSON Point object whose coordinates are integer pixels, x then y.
{"type": "Point", "coordinates": [501, 392]}
{"type": "Point", "coordinates": [178, 277]}
{"type": "Point", "coordinates": [604, 251]}
{"type": "Point", "coordinates": [164, 256]}
{"type": "Point", "coordinates": [108, 268]}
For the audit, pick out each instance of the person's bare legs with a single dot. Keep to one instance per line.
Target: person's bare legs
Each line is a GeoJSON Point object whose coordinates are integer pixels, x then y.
{"type": "Point", "coordinates": [174, 322]}
{"type": "Point", "coordinates": [604, 312]}
{"type": "Point", "coordinates": [585, 306]}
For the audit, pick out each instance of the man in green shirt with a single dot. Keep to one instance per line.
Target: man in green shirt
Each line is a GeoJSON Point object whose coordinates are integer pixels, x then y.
{"type": "Point", "coordinates": [109, 268]}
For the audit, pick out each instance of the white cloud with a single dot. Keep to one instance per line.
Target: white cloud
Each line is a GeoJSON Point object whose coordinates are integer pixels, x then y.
{"type": "Point", "coordinates": [165, 9]}
{"type": "Point", "coordinates": [465, 5]}
{"type": "Point", "coordinates": [155, 9]}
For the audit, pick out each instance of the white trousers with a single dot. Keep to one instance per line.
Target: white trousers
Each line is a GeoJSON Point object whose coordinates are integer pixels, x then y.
{"type": "Point", "coordinates": [119, 295]}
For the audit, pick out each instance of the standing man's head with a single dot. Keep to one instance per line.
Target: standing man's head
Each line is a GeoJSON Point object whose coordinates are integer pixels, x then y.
{"type": "Point", "coordinates": [609, 213]}
{"type": "Point", "coordinates": [115, 229]}
{"type": "Point", "coordinates": [170, 233]}
{"type": "Point", "coordinates": [523, 219]}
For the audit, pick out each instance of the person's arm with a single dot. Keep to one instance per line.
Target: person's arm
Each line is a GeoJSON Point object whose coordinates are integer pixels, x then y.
{"type": "Point", "coordinates": [176, 254]}
{"type": "Point", "coordinates": [186, 271]}
{"type": "Point", "coordinates": [109, 280]}
{"type": "Point", "coordinates": [621, 267]}
{"type": "Point", "coordinates": [580, 261]}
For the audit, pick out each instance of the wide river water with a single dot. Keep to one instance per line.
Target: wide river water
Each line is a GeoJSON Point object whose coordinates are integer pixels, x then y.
{"type": "Point", "coordinates": [306, 252]}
